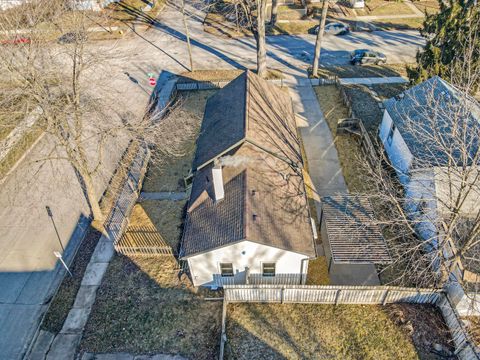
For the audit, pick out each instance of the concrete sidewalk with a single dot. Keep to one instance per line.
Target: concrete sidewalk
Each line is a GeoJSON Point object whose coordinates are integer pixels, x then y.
{"type": "Point", "coordinates": [373, 80]}
{"type": "Point", "coordinates": [324, 166]}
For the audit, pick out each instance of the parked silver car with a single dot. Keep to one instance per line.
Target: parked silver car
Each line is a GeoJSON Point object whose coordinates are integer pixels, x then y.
{"type": "Point", "coordinates": [335, 28]}
{"type": "Point", "coordinates": [365, 56]}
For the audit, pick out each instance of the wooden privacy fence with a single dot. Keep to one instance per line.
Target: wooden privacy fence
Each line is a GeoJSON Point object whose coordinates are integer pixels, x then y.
{"type": "Point", "coordinates": [329, 294]}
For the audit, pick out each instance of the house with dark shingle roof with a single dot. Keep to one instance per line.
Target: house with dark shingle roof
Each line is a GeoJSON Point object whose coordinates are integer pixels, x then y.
{"type": "Point", "coordinates": [247, 218]}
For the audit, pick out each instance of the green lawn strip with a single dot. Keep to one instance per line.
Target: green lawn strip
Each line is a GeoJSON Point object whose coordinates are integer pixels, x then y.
{"type": "Point", "coordinates": [65, 297]}
{"type": "Point", "coordinates": [299, 331]}
{"type": "Point", "coordinates": [143, 306]}
{"type": "Point", "coordinates": [348, 146]}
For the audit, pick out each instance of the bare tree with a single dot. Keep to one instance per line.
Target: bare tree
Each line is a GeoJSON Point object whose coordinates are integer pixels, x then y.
{"type": "Point", "coordinates": [187, 34]}
{"type": "Point", "coordinates": [318, 41]}
{"type": "Point", "coordinates": [274, 13]}
{"type": "Point", "coordinates": [429, 205]}
{"type": "Point", "coordinates": [63, 81]}
{"type": "Point", "coordinates": [250, 15]}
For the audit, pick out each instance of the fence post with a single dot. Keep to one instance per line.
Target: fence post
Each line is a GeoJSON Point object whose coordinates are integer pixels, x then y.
{"type": "Point", "coordinates": [223, 335]}
{"type": "Point", "coordinates": [385, 295]}
{"type": "Point", "coordinates": [337, 296]}
{"type": "Point", "coordinates": [282, 299]}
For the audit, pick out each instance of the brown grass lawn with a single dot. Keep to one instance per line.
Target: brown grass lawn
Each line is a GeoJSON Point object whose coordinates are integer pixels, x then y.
{"type": "Point", "coordinates": [301, 331]}
{"type": "Point", "coordinates": [384, 7]}
{"type": "Point", "coordinates": [169, 176]}
{"type": "Point", "coordinates": [165, 215]}
{"type": "Point", "coordinates": [348, 147]}
{"type": "Point", "coordinates": [145, 306]}
{"type": "Point", "coordinates": [399, 24]}
{"type": "Point", "coordinates": [429, 6]}
{"type": "Point", "coordinates": [65, 297]}
{"type": "Point", "coordinates": [318, 272]}
{"type": "Point", "coordinates": [350, 71]}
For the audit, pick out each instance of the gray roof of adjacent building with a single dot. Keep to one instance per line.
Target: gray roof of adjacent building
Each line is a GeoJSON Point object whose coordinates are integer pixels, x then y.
{"type": "Point", "coordinates": [429, 116]}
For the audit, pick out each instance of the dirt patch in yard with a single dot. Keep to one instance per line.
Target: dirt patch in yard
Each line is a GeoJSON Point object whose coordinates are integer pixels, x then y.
{"type": "Point", "coordinates": [348, 146]}
{"type": "Point", "coordinates": [351, 71]}
{"type": "Point", "coordinates": [299, 331]}
{"type": "Point", "coordinates": [144, 305]}
{"type": "Point", "coordinates": [387, 91]}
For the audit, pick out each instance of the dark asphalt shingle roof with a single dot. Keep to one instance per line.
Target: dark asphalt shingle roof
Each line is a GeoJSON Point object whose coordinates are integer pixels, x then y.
{"type": "Point", "coordinates": [352, 233]}
{"type": "Point", "coordinates": [247, 109]}
{"type": "Point", "coordinates": [436, 110]}
{"type": "Point", "coordinates": [265, 199]}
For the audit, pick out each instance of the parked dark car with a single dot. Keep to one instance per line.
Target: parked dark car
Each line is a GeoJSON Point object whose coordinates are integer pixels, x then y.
{"type": "Point", "coordinates": [72, 37]}
{"type": "Point", "coordinates": [335, 28]}
{"type": "Point", "coordinates": [364, 56]}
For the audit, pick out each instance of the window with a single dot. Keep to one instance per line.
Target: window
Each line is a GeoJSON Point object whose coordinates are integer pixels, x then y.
{"type": "Point", "coordinates": [268, 269]}
{"type": "Point", "coordinates": [226, 269]}
{"type": "Point", "coordinates": [390, 134]}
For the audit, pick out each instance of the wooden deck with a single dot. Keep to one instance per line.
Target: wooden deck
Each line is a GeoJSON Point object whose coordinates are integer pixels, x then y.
{"type": "Point", "coordinates": [143, 240]}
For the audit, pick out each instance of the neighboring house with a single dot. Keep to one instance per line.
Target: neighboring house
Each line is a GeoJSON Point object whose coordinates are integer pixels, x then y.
{"type": "Point", "coordinates": [418, 137]}
{"type": "Point", "coordinates": [352, 240]}
{"type": "Point", "coordinates": [247, 217]}
{"type": "Point", "coordinates": [430, 134]}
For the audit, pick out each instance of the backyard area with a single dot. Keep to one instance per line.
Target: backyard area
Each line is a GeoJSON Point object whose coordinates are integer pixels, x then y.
{"type": "Point", "coordinates": [384, 8]}
{"type": "Point", "coordinates": [147, 305]}
{"type": "Point", "coordinates": [308, 331]}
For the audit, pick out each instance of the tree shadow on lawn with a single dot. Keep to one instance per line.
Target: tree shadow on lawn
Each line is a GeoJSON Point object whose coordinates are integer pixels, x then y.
{"type": "Point", "coordinates": [145, 305]}
{"type": "Point", "coordinates": [276, 331]}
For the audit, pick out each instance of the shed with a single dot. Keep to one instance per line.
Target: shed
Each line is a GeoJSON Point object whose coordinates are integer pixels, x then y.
{"type": "Point", "coordinates": [349, 226]}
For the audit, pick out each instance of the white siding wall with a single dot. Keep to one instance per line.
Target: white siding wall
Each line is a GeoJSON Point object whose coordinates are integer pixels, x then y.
{"type": "Point", "coordinates": [398, 152]}
{"type": "Point", "coordinates": [245, 254]}
{"type": "Point", "coordinates": [421, 187]}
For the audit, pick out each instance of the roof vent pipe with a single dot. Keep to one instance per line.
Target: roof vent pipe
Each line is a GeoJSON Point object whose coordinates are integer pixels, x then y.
{"type": "Point", "coordinates": [217, 179]}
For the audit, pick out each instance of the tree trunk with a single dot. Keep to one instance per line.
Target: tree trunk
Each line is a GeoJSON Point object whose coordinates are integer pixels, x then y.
{"type": "Point", "coordinates": [318, 42]}
{"type": "Point", "coordinates": [187, 34]}
{"type": "Point", "coordinates": [86, 182]}
{"type": "Point", "coordinates": [260, 38]}
{"type": "Point", "coordinates": [273, 17]}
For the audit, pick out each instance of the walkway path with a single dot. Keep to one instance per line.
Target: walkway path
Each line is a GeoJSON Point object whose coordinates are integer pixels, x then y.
{"type": "Point", "coordinates": [324, 170]}
{"type": "Point", "coordinates": [324, 167]}
{"type": "Point", "coordinates": [175, 196]}
{"type": "Point", "coordinates": [373, 80]}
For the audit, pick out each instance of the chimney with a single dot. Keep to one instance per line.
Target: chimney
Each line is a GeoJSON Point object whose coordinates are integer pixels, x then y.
{"type": "Point", "coordinates": [217, 180]}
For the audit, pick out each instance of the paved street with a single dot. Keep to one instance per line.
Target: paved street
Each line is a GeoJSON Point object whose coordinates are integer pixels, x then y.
{"type": "Point", "coordinates": [28, 269]}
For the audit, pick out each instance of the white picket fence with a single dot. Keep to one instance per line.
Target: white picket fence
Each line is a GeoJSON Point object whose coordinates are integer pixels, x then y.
{"type": "Point", "coordinates": [329, 294]}
{"type": "Point", "coordinates": [367, 295]}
